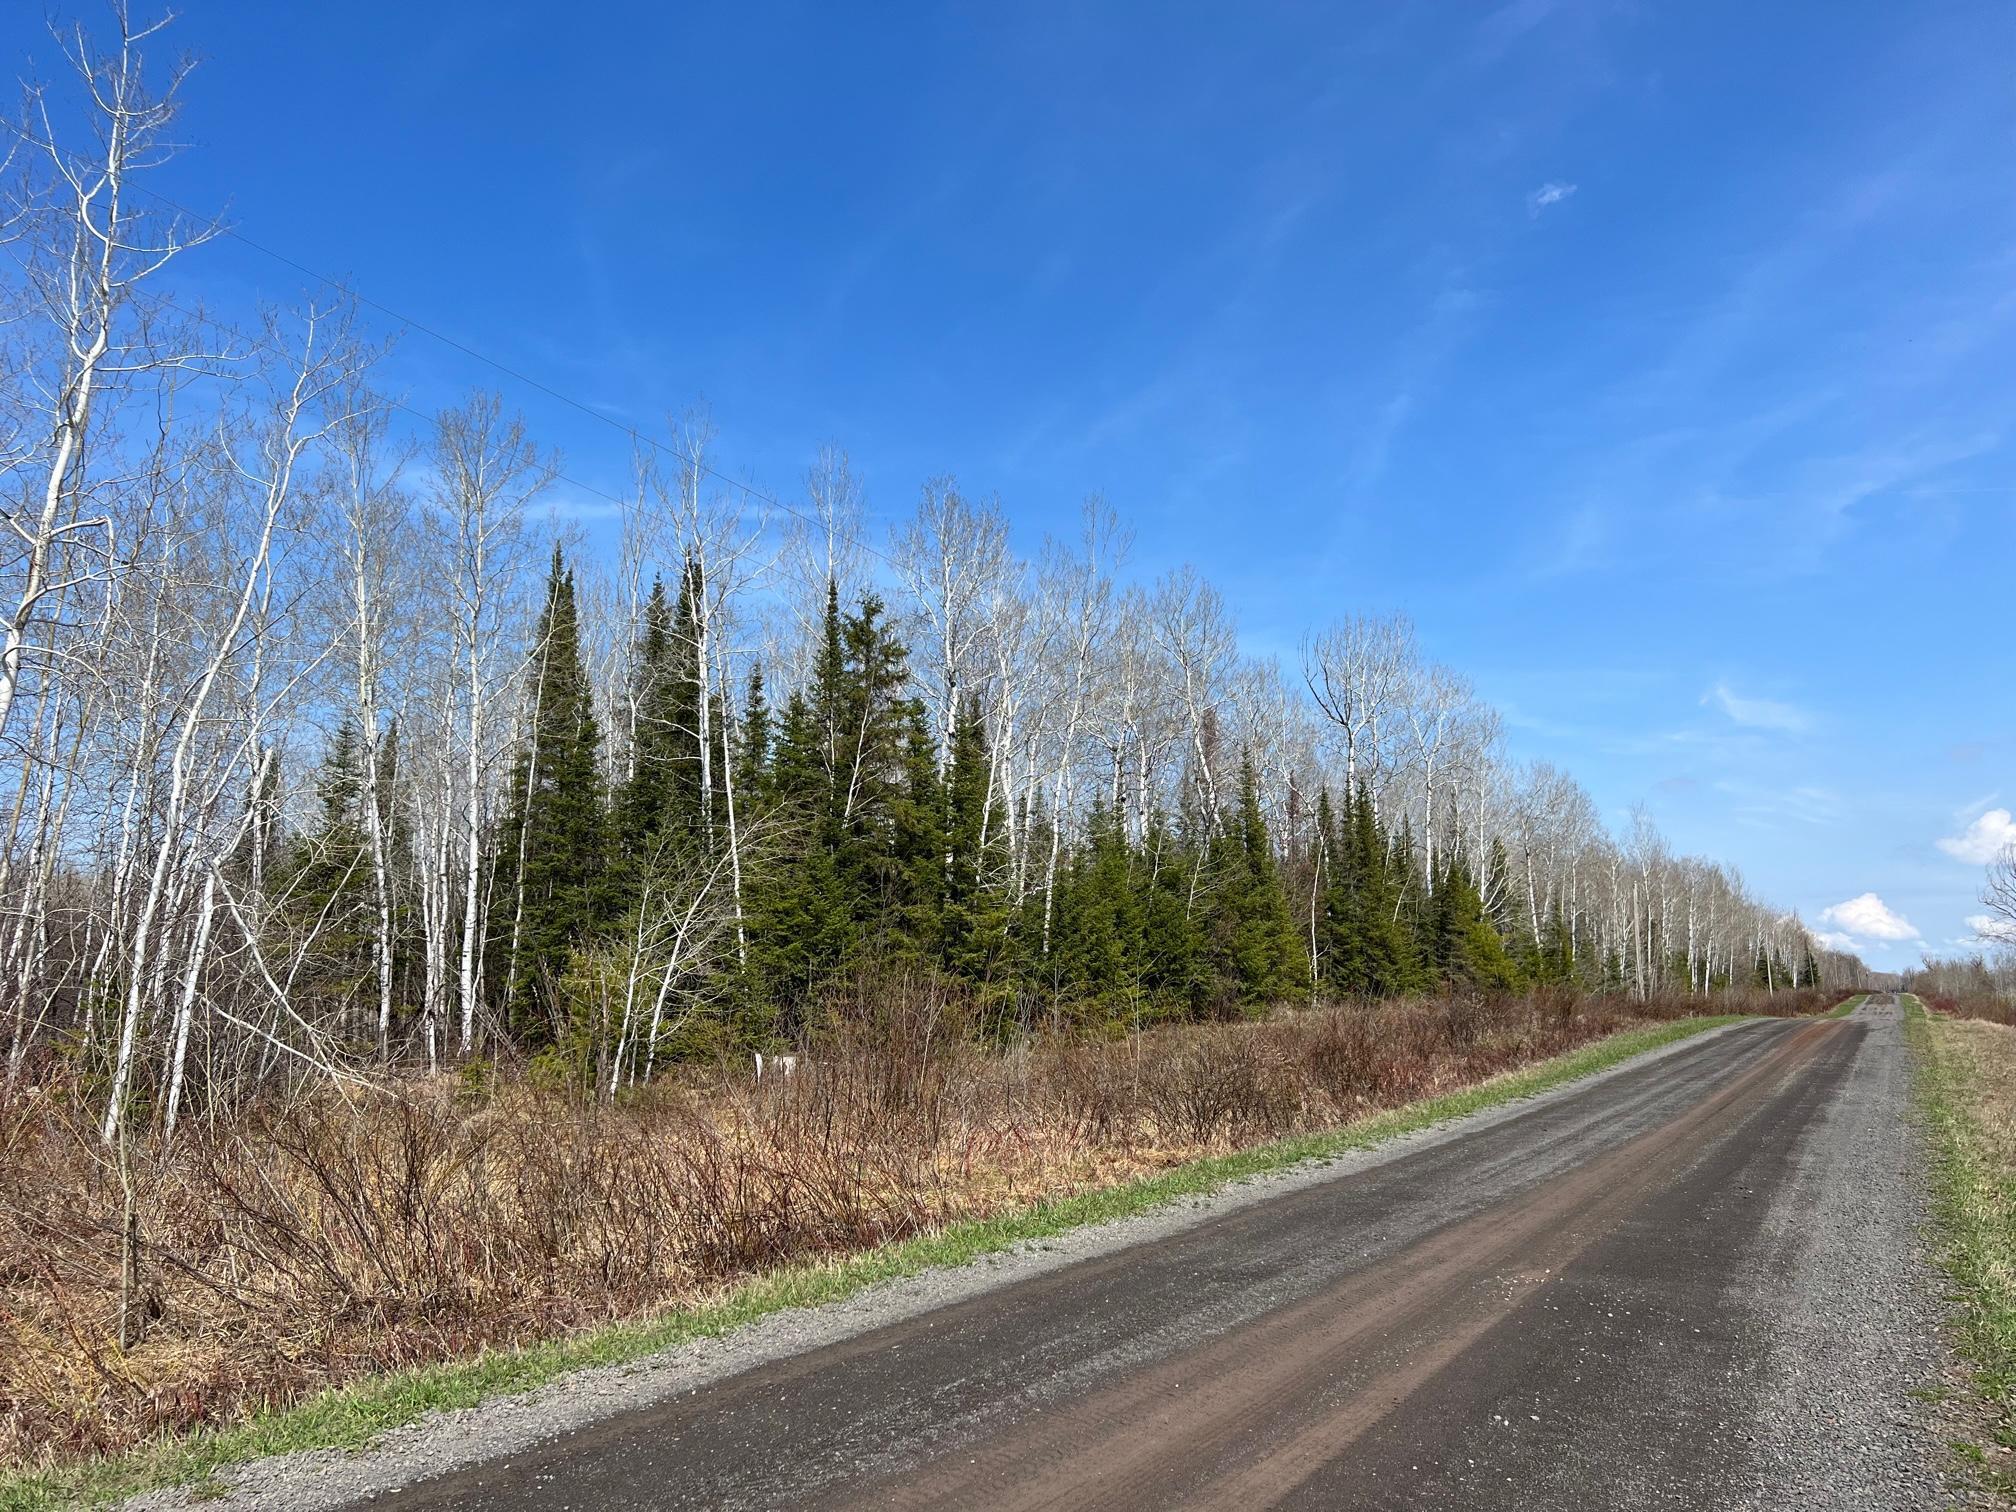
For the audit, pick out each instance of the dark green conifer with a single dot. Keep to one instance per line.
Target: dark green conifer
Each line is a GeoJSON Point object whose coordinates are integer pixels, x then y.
{"type": "Point", "coordinates": [1467, 948]}
{"type": "Point", "coordinates": [1257, 947]}
{"type": "Point", "coordinates": [1098, 924]}
{"type": "Point", "coordinates": [324, 877]}
{"type": "Point", "coordinates": [1389, 964]}
{"type": "Point", "coordinates": [978, 942]}
{"type": "Point", "coordinates": [1173, 965]}
{"type": "Point", "coordinates": [552, 847]}
{"type": "Point", "coordinates": [863, 866]}
{"type": "Point", "coordinates": [913, 903]}
{"type": "Point", "coordinates": [753, 750]}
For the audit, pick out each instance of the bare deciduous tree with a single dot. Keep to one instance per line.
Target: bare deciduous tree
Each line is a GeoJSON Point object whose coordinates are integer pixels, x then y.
{"type": "Point", "coordinates": [486, 472]}
{"type": "Point", "coordinates": [1357, 672]}
{"type": "Point", "coordinates": [93, 253]}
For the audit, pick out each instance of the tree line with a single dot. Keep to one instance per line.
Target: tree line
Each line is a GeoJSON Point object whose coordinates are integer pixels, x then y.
{"type": "Point", "coordinates": [323, 749]}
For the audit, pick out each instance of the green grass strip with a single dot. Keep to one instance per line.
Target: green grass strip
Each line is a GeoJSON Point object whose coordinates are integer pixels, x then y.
{"type": "Point", "coordinates": [1842, 1010]}
{"type": "Point", "coordinates": [353, 1416]}
{"type": "Point", "coordinates": [1975, 1208]}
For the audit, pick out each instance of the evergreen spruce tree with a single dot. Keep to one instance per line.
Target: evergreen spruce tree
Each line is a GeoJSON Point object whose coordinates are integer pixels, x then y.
{"type": "Point", "coordinates": [1388, 894]}
{"type": "Point", "coordinates": [1467, 948]}
{"type": "Point", "coordinates": [324, 875]}
{"type": "Point", "coordinates": [1514, 927]}
{"type": "Point", "coordinates": [640, 804]}
{"type": "Point", "coordinates": [1357, 911]}
{"type": "Point", "coordinates": [753, 750]}
{"type": "Point", "coordinates": [687, 806]}
{"type": "Point", "coordinates": [1174, 968]}
{"type": "Point", "coordinates": [800, 924]}
{"type": "Point", "coordinates": [977, 942]}
{"type": "Point", "coordinates": [661, 801]}
{"type": "Point", "coordinates": [870, 739]}
{"type": "Point", "coordinates": [1613, 979]}
{"type": "Point", "coordinates": [1256, 946]}
{"type": "Point", "coordinates": [865, 866]}
{"type": "Point", "coordinates": [912, 907]}
{"type": "Point", "coordinates": [1555, 962]}
{"type": "Point", "coordinates": [552, 846]}
{"type": "Point", "coordinates": [1096, 934]}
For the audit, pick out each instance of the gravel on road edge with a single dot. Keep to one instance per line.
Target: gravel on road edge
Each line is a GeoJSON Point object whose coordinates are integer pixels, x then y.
{"type": "Point", "coordinates": [1855, 1311]}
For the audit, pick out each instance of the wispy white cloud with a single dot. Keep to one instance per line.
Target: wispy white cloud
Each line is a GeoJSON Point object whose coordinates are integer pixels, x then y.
{"type": "Point", "coordinates": [1710, 447]}
{"type": "Point", "coordinates": [1991, 929]}
{"type": "Point", "coordinates": [1804, 803]}
{"type": "Point", "coordinates": [567, 504]}
{"type": "Point", "coordinates": [1515, 19]}
{"type": "Point", "coordinates": [1829, 939]}
{"type": "Point", "coordinates": [1421, 358]}
{"type": "Point", "coordinates": [1582, 542]}
{"type": "Point", "coordinates": [1551, 193]}
{"type": "Point", "coordinates": [1983, 840]}
{"type": "Point", "coordinates": [1868, 917]}
{"type": "Point", "coordinates": [1757, 713]}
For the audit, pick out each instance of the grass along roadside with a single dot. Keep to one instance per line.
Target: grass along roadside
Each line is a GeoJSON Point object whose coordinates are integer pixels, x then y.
{"type": "Point", "coordinates": [1967, 1089]}
{"type": "Point", "coordinates": [352, 1417]}
{"type": "Point", "coordinates": [1842, 1010]}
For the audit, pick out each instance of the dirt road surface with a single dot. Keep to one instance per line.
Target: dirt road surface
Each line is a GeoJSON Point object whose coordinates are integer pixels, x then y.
{"type": "Point", "coordinates": [1693, 1284]}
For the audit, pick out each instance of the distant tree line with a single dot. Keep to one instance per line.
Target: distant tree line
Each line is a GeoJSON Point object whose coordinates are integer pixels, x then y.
{"type": "Point", "coordinates": [840, 834]}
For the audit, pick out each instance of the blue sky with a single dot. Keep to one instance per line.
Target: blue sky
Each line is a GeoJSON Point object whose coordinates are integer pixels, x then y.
{"type": "Point", "coordinates": [1655, 357]}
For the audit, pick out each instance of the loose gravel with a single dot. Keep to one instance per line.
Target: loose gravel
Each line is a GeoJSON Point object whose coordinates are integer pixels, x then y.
{"type": "Point", "coordinates": [1854, 1310]}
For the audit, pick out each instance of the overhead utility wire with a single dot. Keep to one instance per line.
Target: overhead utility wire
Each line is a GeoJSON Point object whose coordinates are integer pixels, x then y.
{"type": "Point", "coordinates": [350, 291]}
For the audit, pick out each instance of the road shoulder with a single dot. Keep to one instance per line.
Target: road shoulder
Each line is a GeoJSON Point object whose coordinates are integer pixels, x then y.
{"type": "Point", "coordinates": [1967, 1091]}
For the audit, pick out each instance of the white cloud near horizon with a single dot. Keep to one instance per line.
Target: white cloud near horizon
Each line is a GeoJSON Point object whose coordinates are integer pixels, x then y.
{"type": "Point", "coordinates": [1757, 713]}
{"type": "Point", "coordinates": [1983, 840]}
{"type": "Point", "coordinates": [1869, 918]}
{"type": "Point", "coordinates": [1550, 193]}
{"type": "Point", "coordinates": [1987, 927]}
{"type": "Point", "coordinates": [1829, 939]}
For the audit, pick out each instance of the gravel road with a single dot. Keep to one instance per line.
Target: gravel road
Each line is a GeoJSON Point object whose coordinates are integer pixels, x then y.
{"type": "Point", "coordinates": [1694, 1282]}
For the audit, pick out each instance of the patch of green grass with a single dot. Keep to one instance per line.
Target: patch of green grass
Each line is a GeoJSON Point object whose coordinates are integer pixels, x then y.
{"type": "Point", "coordinates": [1842, 1010]}
{"type": "Point", "coordinates": [1974, 1203]}
{"type": "Point", "coordinates": [353, 1416]}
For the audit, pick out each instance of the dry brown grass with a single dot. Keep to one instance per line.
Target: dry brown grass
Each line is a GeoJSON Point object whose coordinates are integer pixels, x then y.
{"type": "Point", "coordinates": [1988, 1051]}
{"type": "Point", "coordinates": [1972, 1106]}
{"type": "Point", "coordinates": [1987, 1009]}
{"type": "Point", "coordinates": [1985, 1055]}
{"type": "Point", "coordinates": [301, 1243]}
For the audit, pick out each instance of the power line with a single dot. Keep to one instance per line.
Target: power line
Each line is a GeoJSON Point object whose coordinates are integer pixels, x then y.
{"type": "Point", "coordinates": [350, 291]}
{"type": "Point", "coordinates": [238, 333]}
